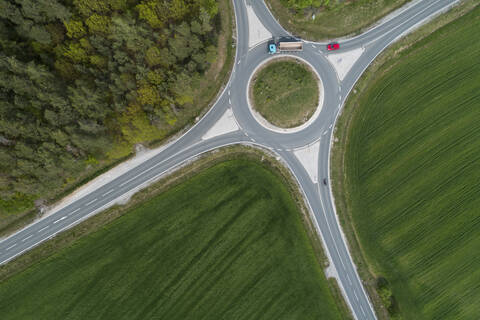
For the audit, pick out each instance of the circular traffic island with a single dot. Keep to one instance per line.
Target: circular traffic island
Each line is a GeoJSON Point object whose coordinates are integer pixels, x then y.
{"type": "Point", "coordinates": [285, 92]}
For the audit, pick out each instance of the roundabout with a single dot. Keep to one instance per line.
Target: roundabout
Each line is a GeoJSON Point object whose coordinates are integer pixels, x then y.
{"type": "Point", "coordinates": [285, 94]}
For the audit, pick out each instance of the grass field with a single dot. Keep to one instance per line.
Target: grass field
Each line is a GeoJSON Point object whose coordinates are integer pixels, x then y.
{"type": "Point", "coordinates": [412, 174]}
{"type": "Point", "coordinates": [227, 244]}
{"type": "Point", "coordinates": [285, 92]}
{"type": "Point", "coordinates": [333, 18]}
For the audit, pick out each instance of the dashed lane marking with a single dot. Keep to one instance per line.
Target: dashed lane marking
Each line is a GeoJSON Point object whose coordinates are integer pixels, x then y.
{"type": "Point", "coordinates": [27, 238]}
{"type": "Point", "coordinates": [73, 211]}
{"type": "Point", "coordinates": [89, 203]}
{"type": "Point", "coordinates": [43, 229]}
{"type": "Point", "coordinates": [355, 293]}
{"type": "Point", "coordinates": [363, 311]}
{"type": "Point", "coordinates": [11, 247]}
{"type": "Point", "coordinates": [62, 218]}
{"type": "Point", "coordinates": [109, 191]}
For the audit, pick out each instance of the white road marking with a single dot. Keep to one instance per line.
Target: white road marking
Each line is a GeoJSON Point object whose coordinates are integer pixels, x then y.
{"type": "Point", "coordinates": [355, 293]}
{"type": "Point", "coordinates": [229, 101]}
{"type": "Point", "coordinates": [62, 218]}
{"type": "Point", "coordinates": [228, 92]}
{"type": "Point", "coordinates": [73, 212]}
{"type": "Point", "coordinates": [10, 247]}
{"type": "Point", "coordinates": [253, 140]}
{"type": "Point", "coordinates": [339, 98]}
{"type": "Point", "coordinates": [109, 191]}
{"type": "Point", "coordinates": [348, 278]}
{"type": "Point", "coordinates": [27, 238]}
{"type": "Point", "coordinates": [89, 203]}
{"type": "Point", "coordinates": [330, 126]}
{"type": "Point", "coordinates": [43, 229]}
{"type": "Point", "coordinates": [361, 308]}
{"type": "Point", "coordinates": [314, 46]}
{"type": "Point", "coordinates": [239, 61]}
{"type": "Point", "coordinates": [325, 132]}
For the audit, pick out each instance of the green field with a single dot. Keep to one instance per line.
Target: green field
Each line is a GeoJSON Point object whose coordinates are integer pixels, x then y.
{"type": "Point", "coordinates": [324, 19]}
{"type": "Point", "coordinates": [229, 243]}
{"type": "Point", "coordinates": [412, 168]}
{"type": "Point", "coordinates": [285, 92]}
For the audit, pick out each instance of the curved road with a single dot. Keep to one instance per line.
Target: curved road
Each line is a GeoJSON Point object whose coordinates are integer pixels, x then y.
{"type": "Point", "coordinates": [318, 196]}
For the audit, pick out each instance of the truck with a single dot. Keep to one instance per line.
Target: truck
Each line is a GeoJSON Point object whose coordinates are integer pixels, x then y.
{"type": "Point", "coordinates": [285, 45]}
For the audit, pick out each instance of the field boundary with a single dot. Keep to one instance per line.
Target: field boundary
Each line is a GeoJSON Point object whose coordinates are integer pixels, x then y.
{"type": "Point", "coordinates": [383, 63]}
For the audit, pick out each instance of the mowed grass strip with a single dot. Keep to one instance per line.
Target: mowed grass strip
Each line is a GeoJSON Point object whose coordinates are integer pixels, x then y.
{"type": "Point", "coordinates": [227, 244]}
{"type": "Point", "coordinates": [413, 174]}
{"type": "Point", "coordinates": [331, 18]}
{"type": "Point", "coordinates": [285, 92]}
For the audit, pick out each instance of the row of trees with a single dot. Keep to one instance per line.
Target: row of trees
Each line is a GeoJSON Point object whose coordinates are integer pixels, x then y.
{"type": "Point", "coordinates": [76, 77]}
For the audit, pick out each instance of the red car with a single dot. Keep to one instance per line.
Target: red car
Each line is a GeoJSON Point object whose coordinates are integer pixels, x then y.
{"type": "Point", "coordinates": [333, 46]}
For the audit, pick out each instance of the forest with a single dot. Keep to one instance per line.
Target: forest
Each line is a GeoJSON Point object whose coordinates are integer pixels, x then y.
{"type": "Point", "coordinates": [81, 81]}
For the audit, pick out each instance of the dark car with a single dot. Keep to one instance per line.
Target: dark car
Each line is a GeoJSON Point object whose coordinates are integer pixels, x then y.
{"type": "Point", "coordinates": [325, 181]}
{"type": "Point", "coordinates": [333, 46]}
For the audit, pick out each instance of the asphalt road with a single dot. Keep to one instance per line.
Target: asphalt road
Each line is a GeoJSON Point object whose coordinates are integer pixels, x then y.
{"type": "Point", "coordinates": [188, 146]}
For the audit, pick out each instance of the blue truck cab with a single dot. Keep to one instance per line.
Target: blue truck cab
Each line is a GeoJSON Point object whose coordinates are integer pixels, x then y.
{"type": "Point", "coordinates": [272, 48]}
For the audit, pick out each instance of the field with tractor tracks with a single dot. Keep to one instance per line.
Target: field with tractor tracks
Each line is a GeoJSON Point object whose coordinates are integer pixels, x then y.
{"type": "Point", "coordinates": [412, 175]}
{"type": "Point", "coordinates": [229, 243]}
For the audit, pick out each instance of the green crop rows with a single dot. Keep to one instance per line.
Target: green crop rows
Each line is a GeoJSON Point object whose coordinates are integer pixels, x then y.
{"type": "Point", "coordinates": [413, 168]}
{"type": "Point", "coordinates": [227, 244]}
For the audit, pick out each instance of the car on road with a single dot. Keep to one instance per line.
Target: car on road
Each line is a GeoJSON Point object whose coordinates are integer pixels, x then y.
{"type": "Point", "coordinates": [325, 181]}
{"type": "Point", "coordinates": [333, 46]}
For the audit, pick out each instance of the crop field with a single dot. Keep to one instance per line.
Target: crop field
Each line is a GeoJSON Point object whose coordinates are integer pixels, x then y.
{"type": "Point", "coordinates": [227, 244]}
{"type": "Point", "coordinates": [285, 92]}
{"type": "Point", "coordinates": [413, 174]}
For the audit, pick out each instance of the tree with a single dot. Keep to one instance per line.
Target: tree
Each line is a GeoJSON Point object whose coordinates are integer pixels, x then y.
{"type": "Point", "coordinates": [147, 11]}
{"type": "Point", "coordinates": [98, 24]}
{"type": "Point", "coordinates": [182, 89]}
{"type": "Point", "coordinates": [89, 7]}
{"type": "Point", "coordinates": [153, 56]}
{"type": "Point", "coordinates": [149, 95]}
{"type": "Point", "coordinates": [179, 47]}
{"type": "Point", "coordinates": [76, 53]}
{"type": "Point", "coordinates": [75, 29]}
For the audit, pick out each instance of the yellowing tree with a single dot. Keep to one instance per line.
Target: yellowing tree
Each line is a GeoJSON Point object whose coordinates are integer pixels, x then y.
{"type": "Point", "coordinates": [98, 24]}
{"type": "Point", "coordinates": [75, 29]}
